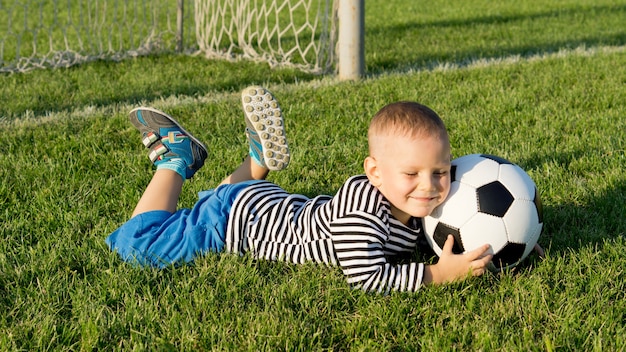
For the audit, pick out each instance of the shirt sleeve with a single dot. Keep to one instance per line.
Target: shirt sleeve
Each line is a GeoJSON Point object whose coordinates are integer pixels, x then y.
{"type": "Point", "coordinates": [359, 239]}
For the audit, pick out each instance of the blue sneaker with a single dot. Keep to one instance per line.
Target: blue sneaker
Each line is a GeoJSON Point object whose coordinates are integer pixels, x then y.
{"type": "Point", "coordinates": [167, 140]}
{"type": "Point", "coordinates": [265, 128]}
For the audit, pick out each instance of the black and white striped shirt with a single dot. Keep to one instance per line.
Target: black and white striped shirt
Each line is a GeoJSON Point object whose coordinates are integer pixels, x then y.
{"type": "Point", "coordinates": [354, 229]}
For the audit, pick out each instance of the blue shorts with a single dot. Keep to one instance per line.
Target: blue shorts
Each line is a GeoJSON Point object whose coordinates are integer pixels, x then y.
{"type": "Point", "coordinates": [160, 238]}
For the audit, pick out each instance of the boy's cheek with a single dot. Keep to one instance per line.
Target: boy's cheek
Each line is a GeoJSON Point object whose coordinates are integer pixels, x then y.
{"type": "Point", "coordinates": [445, 190]}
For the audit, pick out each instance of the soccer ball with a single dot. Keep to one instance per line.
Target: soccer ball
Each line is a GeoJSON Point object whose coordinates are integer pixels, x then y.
{"type": "Point", "coordinates": [491, 201]}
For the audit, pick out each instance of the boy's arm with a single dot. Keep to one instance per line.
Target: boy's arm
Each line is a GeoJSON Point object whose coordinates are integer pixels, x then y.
{"type": "Point", "coordinates": [358, 240]}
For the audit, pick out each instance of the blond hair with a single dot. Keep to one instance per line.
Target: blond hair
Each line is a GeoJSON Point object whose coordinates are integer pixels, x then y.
{"type": "Point", "coordinates": [407, 119]}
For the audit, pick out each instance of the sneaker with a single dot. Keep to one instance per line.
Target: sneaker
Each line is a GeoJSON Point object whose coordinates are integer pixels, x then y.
{"type": "Point", "coordinates": [265, 128]}
{"type": "Point", "coordinates": [167, 140]}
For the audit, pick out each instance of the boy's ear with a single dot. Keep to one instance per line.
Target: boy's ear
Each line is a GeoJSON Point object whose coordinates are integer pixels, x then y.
{"type": "Point", "coordinates": [371, 170]}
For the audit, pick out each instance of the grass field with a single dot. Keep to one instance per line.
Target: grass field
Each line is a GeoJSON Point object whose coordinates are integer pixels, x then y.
{"type": "Point", "coordinates": [541, 83]}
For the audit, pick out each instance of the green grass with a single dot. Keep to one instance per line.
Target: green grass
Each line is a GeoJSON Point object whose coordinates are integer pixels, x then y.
{"type": "Point", "coordinates": [72, 168]}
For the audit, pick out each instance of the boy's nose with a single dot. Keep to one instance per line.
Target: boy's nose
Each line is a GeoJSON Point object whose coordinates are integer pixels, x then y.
{"type": "Point", "coordinates": [426, 183]}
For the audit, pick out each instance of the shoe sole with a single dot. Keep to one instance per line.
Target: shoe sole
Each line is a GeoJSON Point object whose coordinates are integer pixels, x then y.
{"type": "Point", "coordinates": [265, 118]}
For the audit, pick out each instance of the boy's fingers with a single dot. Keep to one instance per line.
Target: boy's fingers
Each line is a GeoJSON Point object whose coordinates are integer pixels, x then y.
{"type": "Point", "coordinates": [479, 266]}
{"type": "Point", "coordinates": [480, 252]}
{"type": "Point", "coordinates": [486, 259]}
{"type": "Point", "coordinates": [447, 246]}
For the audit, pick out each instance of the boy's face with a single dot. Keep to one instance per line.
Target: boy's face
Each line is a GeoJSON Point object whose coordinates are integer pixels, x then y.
{"type": "Point", "coordinates": [412, 173]}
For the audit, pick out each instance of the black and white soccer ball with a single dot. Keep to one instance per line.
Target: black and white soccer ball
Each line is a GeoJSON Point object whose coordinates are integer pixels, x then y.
{"type": "Point", "coordinates": [491, 201]}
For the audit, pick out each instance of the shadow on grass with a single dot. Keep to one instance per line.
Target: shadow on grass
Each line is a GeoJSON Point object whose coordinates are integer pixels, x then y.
{"type": "Point", "coordinates": [463, 59]}
{"type": "Point", "coordinates": [590, 220]}
{"type": "Point", "coordinates": [454, 56]}
{"type": "Point", "coordinates": [499, 19]}
{"type": "Point", "coordinates": [108, 83]}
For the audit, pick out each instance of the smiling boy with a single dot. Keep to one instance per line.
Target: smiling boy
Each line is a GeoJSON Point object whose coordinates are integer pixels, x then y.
{"type": "Point", "coordinates": [364, 228]}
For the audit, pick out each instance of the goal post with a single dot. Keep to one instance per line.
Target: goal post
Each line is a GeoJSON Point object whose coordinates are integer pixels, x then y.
{"type": "Point", "coordinates": [313, 35]}
{"type": "Point", "coordinates": [351, 44]}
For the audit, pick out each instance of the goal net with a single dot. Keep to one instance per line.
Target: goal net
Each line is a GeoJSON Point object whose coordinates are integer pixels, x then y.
{"type": "Point", "coordinates": [62, 33]}
{"type": "Point", "coordinates": [299, 33]}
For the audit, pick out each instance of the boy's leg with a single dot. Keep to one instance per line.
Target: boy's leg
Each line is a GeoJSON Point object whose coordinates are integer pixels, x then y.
{"type": "Point", "coordinates": [248, 170]}
{"type": "Point", "coordinates": [176, 154]}
{"type": "Point", "coordinates": [265, 130]}
{"type": "Point", "coordinates": [162, 193]}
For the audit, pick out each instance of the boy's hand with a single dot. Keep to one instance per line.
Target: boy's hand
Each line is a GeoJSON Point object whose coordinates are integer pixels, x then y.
{"type": "Point", "coordinates": [453, 267]}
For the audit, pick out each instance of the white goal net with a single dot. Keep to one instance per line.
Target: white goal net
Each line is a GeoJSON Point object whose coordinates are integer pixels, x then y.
{"type": "Point", "coordinates": [298, 33]}
{"type": "Point", "coordinates": [62, 33]}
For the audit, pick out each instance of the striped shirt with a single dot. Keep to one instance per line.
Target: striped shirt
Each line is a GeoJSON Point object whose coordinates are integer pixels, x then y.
{"type": "Point", "coordinates": [354, 230]}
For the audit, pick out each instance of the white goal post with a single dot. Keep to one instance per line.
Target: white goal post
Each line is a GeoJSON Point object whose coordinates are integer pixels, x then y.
{"type": "Point", "coordinates": [320, 36]}
{"type": "Point", "coordinates": [351, 43]}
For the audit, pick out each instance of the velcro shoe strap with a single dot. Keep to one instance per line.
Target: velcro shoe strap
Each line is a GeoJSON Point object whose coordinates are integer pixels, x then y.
{"type": "Point", "coordinates": [158, 150]}
{"type": "Point", "coordinates": [150, 138]}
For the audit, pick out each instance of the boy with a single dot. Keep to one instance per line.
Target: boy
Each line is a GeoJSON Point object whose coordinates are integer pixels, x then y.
{"type": "Point", "coordinates": [372, 220]}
